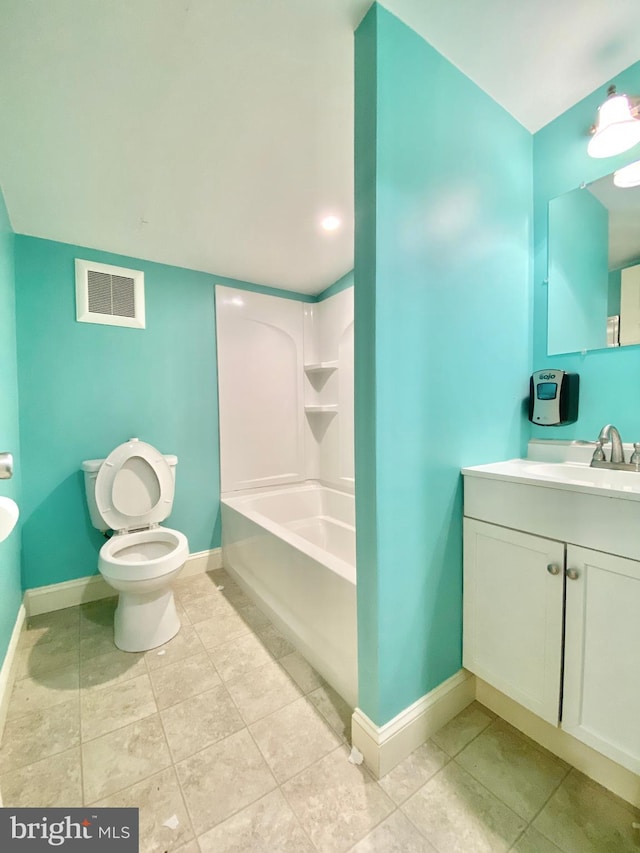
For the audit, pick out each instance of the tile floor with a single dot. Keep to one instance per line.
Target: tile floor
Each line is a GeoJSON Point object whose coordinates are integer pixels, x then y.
{"type": "Point", "coordinates": [228, 730]}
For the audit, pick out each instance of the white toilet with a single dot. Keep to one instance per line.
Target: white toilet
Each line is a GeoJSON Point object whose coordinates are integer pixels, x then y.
{"type": "Point", "coordinates": [131, 492]}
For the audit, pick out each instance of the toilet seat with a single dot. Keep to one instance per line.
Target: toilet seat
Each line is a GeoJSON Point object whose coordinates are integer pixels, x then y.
{"type": "Point", "coordinates": [134, 487]}
{"type": "Point", "coordinates": [123, 557]}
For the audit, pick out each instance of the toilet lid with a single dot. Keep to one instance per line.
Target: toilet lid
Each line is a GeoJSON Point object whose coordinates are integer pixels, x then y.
{"type": "Point", "coordinates": [134, 486]}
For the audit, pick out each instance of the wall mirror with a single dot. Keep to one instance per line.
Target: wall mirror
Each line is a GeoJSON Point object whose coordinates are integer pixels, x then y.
{"type": "Point", "coordinates": [594, 268]}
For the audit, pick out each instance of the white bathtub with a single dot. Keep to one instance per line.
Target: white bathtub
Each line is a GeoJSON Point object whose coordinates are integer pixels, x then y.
{"type": "Point", "coordinates": [293, 550]}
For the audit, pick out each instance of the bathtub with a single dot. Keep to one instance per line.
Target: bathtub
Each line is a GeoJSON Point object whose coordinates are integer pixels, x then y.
{"type": "Point", "coordinates": [293, 551]}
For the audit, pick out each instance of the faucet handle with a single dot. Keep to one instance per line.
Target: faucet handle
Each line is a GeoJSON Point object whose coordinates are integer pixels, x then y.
{"type": "Point", "coordinates": [635, 456]}
{"type": "Point", "coordinates": [598, 453]}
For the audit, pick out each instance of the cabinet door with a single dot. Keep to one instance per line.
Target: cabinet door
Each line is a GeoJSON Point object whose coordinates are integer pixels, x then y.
{"type": "Point", "coordinates": [512, 634]}
{"type": "Point", "coordinates": [601, 699]}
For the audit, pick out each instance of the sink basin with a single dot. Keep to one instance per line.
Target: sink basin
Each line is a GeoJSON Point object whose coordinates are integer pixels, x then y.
{"type": "Point", "coordinates": [8, 516]}
{"type": "Point", "coordinates": [576, 474]}
{"type": "Point", "coordinates": [572, 476]}
{"type": "Point", "coordinates": [565, 501]}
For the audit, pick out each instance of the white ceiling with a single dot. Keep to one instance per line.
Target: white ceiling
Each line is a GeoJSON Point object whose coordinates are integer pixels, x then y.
{"type": "Point", "coordinates": [214, 134]}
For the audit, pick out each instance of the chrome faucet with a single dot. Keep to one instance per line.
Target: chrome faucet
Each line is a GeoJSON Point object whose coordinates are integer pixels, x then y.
{"type": "Point", "coordinates": [599, 460]}
{"type": "Point", "coordinates": [610, 433]}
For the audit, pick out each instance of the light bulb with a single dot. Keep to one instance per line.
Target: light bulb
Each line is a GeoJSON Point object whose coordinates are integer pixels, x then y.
{"type": "Point", "coordinates": [330, 223]}
{"type": "Point", "coordinates": [617, 129]}
{"type": "Point", "coordinates": [628, 176]}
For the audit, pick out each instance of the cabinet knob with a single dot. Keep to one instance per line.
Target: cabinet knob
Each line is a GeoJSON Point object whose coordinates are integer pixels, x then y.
{"type": "Point", "coordinates": [573, 574]}
{"type": "Point", "coordinates": [553, 569]}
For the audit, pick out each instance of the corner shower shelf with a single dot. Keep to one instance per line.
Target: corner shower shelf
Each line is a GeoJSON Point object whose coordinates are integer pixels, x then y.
{"type": "Point", "coordinates": [321, 367]}
{"type": "Point", "coordinates": [331, 409]}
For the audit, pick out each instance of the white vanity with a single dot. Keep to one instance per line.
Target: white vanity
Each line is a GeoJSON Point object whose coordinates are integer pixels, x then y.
{"type": "Point", "coordinates": [552, 591]}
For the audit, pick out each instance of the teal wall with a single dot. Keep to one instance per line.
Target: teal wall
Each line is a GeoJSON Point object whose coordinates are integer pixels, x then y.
{"type": "Point", "coordinates": [561, 164]}
{"type": "Point", "coordinates": [10, 590]}
{"type": "Point", "coordinates": [443, 342]}
{"type": "Point", "coordinates": [339, 285]}
{"type": "Point", "coordinates": [85, 388]}
{"type": "Point", "coordinates": [578, 272]}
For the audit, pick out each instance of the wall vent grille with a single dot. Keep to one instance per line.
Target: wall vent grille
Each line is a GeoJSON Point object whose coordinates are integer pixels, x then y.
{"type": "Point", "coordinates": [109, 295]}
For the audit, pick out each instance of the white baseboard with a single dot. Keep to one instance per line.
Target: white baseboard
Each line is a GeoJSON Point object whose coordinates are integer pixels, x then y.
{"type": "Point", "coordinates": [593, 764]}
{"type": "Point", "coordinates": [386, 746]}
{"type": "Point", "coordinates": [44, 599]}
{"type": "Point", "coordinates": [202, 561]}
{"type": "Point", "coordinates": [7, 672]}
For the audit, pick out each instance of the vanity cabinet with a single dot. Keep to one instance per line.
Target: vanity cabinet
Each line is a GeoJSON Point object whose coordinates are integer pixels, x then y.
{"type": "Point", "coordinates": [601, 698]}
{"type": "Point", "coordinates": [557, 628]}
{"type": "Point", "coordinates": [513, 589]}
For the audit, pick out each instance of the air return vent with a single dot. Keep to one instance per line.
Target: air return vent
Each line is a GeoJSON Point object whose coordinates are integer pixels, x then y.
{"type": "Point", "coordinates": [110, 295]}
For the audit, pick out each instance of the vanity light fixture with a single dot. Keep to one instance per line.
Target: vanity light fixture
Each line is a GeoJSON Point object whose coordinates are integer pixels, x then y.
{"type": "Point", "coordinates": [618, 125]}
{"type": "Point", "coordinates": [628, 176]}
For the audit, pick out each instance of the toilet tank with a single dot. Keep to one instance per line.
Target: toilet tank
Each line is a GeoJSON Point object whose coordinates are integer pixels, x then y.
{"type": "Point", "coordinates": [90, 468]}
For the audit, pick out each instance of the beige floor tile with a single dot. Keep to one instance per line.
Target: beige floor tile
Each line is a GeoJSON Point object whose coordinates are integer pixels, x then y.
{"type": "Point", "coordinates": [302, 673]}
{"type": "Point", "coordinates": [334, 709]}
{"type": "Point", "coordinates": [239, 657]}
{"type": "Point", "coordinates": [222, 779]}
{"type": "Point", "coordinates": [195, 604]}
{"type": "Point", "coordinates": [229, 781]}
{"type": "Point", "coordinates": [396, 834]}
{"type": "Point", "coordinates": [222, 627]}
{"type": "Point", "coordinates": [336, 802]}
{"type": "Point", "coordinates": [200, 608]}
{"type": "Point", "coordinates": [531, 841]}
{"type": "Point", "coordinates": [188, 677]}
{"type": "Point", "coordinates": [200, 721]}
{"type": "Point", "coordinates": [42, 658]}
{"type": "Point", "coordinates": [292, 738]}
{"type": "Point", "coordinates": [514, 769]}
{"type": "Point", "coordinates": [97, 615]}
{"type": "Point", "coordinates": [40, 734]}
{"type": "Point", "coordinates": [50, 782]}
{"type": "Point", "coordinates": [123, 757]}
{"type": "Point", "coordinates": [254, 618]}
{"type": "Point", "coordinates": [99, 642]}
{"type": "Point", "coordinates": [582, 816]}
{"type": "Point", "coordinates": [184, 617]}
{"type": "Point", "coordinates": [273, 641]}
{"type": "Point", "coordinates": [458, 815]}
{"type": "Point", "coordinates": [185, 643]}
{"type": "Point", "coordinates": [159, 799]}
{"type": "Point", "coordinates": [267, 825]}
{"type": "Point", "coordinates": [191, 847]}
{"type": "Point", "coordinates": [232, 591]}
{"type": "Point", "coordinates": [103, 711]}
{"type": "Point", "coordinates": [262, 691]}
{"type": "Point", "coordinates": [235, 595]}
{"type": "Point", "coordinates": [54, 619]}
{"type": "Point", "coordinates": [463, 728]}
{"type": "Point", "coordinates": [195, 585]}
{"type": "Point", "coordinates": [111, 668]}
{"type": "Point", "coordinates": [59, 625]}
{"type": "Point", "coordinates": [405, 779]}
{"type": "Point", "coordinates": [35, 694]}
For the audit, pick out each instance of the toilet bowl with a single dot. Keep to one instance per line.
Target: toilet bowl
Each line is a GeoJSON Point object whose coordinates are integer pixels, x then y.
{"type": "Point", "coordinates": [130, 492]}
{"type": "Point", "coordinates": [141, 567]}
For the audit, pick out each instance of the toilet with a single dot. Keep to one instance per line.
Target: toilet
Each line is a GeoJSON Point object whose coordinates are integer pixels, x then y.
{"type": "Point", "coordinates": [131, 492]}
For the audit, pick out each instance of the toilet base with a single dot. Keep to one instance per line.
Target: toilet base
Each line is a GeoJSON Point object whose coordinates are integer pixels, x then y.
{"type": "Point", "coordinates": [143, 621]}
